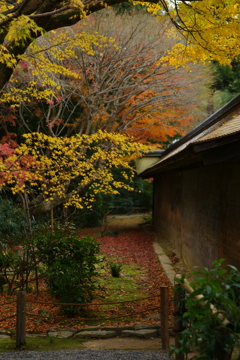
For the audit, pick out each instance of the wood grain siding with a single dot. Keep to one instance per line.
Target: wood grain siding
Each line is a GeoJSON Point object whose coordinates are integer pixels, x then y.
{"type": "Point", "coordinates": [197, 190]}
{"type": "Point", "coordinates": [198, 211]}
{"type": "Point", "coordinates": [168, 207]}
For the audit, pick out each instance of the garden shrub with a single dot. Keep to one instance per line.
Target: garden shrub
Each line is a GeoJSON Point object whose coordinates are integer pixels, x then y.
{"type": "Point", "coordinates": [212, 332]}
{"type": "Point", "coordinates": [17, 257]}
{"type": "Point", "coordinates": [66, 228]}
{"type": "Point", "coordinates": [17, 264]}
{"type": "Point", "coordinates": [70, 268]}
{"type": "Point", "coordinates": [12, 222]}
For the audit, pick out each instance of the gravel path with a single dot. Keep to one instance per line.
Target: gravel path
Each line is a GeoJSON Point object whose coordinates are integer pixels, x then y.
{"type": "Point", "coordinates": [86, 355]}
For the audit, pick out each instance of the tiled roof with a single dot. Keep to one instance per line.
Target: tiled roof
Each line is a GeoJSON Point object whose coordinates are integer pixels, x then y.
{"type": "Point", "coordinates": [226, 128]}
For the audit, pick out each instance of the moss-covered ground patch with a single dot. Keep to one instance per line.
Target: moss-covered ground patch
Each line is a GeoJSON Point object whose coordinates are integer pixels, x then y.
{"type": "Point", "coordinates": [118, 290]}
{"type": "Point", "coordinates": [41, 343]}
{"type": "Point", "coordinates": [128, 284]}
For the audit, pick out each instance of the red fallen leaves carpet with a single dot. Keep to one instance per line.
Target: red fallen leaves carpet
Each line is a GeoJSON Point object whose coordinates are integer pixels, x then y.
{"type": "Point", "coordinates": [133, 245]}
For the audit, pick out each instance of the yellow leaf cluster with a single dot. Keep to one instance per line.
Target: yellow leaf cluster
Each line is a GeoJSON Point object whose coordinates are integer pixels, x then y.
{"type": "Point", "coordinates": [151, 7]}
{"type": "Point", "coordinates": [18, 95]}
{"type": "Point", "coordinates": [46, 63]}
{"type": "Point", "coordinates": [80, 162]}
{"type": "Point", "coordinates": [210, 30]}
{"type": "Point", "coordinates": [7, 58]}
{"type": "Point", "coordinates": [79, 5]}
{"type": "Point", "coordinates": [21, 29]}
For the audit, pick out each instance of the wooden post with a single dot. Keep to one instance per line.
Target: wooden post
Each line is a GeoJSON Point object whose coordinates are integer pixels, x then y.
{"type": "Point", "coordinates": [164, 317]}
{"type": "Point", "coordinates": [21, 320]}
{"type": "Point", "coordinates": [224, 355]}
{"type": "Point", "coordinates": [177, 323]}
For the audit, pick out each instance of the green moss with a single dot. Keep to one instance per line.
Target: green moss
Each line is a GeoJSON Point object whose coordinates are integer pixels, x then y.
{"type": "Point", "coordinates": [119, 289]}
{"type": "Point", "coordinates": [124, 287]}
{"type": "Point", "coordinates": [40, 344]}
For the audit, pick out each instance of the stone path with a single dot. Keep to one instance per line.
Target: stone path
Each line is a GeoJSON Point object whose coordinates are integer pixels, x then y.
{"type": "Point", "coordinates": [162, 247]}
{"type": "Point", "coordinates": [140, 331]}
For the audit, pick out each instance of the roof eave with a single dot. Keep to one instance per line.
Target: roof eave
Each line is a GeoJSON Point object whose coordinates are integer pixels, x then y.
{"type": "Point", "coordinates": [227, 109]}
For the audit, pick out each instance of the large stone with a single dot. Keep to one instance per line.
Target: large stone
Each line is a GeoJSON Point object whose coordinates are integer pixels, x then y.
{"type": "Point", "coordinates": [118, 329]}
{"type": "Point", "coordinates": [4, 337]}
{"type": "Point", "coordinates": [72, 329]}
{"type": "Point", "coordinates": [91, 328]}
{"type": "Point", "coordinates": [62, 334]}
{"type": "Point", "coordinates": [102, 334]}
{"type": "Point", "coordinates": [36, 335]}
{"type": "Point", "coordinates": [144, 333]}
{"type": "Point", "coordinates": [5, 332]}
{"type": "Point", "coordinates": [146, 326]}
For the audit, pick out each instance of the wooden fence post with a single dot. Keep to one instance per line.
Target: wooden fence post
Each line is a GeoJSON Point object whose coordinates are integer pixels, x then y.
{"type": "Point", "coordinates": [177, 323]}
{"type": "Point", "coordinates": [21, 320]}
{"type": "Point", "coordinates": [164, 317]}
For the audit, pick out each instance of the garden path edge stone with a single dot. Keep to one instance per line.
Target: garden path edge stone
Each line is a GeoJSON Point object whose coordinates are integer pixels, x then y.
{"type": "Point", "coordinates": [143, 333]}
{"type": "Point", "coordinates": [104, 332]}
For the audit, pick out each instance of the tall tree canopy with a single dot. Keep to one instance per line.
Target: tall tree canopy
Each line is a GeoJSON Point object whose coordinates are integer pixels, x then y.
{"type": "Point", "coordinates": [121, 86]}
{"type": "Point", "coordinates": [210, 27]}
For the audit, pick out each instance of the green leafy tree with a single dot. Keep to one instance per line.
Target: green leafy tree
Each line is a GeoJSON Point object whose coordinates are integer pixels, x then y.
{"type": "Point", "coordinates": [227, 82]}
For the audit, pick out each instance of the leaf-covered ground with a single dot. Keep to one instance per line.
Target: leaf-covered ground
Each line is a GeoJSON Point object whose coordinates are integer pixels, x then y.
{"type": "Point", "coordinates": [127, 241]}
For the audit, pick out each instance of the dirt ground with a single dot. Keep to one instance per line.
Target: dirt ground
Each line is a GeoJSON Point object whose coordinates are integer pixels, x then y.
{"type": "Point", "coordinates": [129, 344]}
{"type": "Point", "coordinates": [125, 344]}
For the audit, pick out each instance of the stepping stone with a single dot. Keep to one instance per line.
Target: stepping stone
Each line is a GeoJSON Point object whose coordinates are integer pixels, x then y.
{"type": "Point", "coordinates": [118, 329]}
{"type": "Point", "coordinates": [96, 334]}
{"type": "Point", "coordinates": [4, 337]}
{"type": "Point", "coordinates": [36, 335]}
{"type": "Point", "coordinates": [60, 334]}
{"type": "Point", "coordinates": [145, 326]}
{"type": "Point", "coordinates": [91, 328]}
{"type": "Point", "coordinates": [144, 333]}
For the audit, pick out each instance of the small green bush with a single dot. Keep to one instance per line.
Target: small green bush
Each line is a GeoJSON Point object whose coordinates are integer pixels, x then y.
{"type": "Point", "coordinates": [115, 269]}
{"type": "Point", "coordinates": [12, 222]}
{"type": "Point", "coordinates": [70, 268]}
{"type": "Point", "coordinates": [16, 265]}
{"type": "Point", "coordinates": [66, 228]}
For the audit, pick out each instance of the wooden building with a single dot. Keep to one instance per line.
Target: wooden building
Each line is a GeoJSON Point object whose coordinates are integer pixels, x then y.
{"type": "Point", "coordinates": [197, 190]}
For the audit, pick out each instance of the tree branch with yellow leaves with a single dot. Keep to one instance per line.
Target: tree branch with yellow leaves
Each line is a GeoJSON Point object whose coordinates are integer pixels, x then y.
{"type": "Point", "coordinates": [59, 170]}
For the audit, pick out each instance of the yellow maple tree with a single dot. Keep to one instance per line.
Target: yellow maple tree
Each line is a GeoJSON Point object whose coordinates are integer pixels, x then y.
{"type": "Point", "coordinates": [69, 170]}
